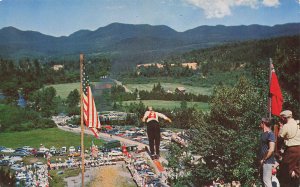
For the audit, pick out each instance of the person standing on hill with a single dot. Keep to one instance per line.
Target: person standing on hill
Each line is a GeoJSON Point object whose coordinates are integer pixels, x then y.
{"type": "Point", "coordinates": [153, 130]}
{"type": "Point", "coordinates": [289, 172]}
{"type": "Point", "coordinates": [267, 147]}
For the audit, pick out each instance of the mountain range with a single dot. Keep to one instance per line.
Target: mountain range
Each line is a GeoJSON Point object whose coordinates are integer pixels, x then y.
{"type": "Point", "coordinates": [127, 43]}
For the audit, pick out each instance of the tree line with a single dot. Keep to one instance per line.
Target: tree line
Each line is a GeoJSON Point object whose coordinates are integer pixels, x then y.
{"type": "Point", "coordinates": [29, 78]}
{"type": "Point", "coordinates": [28, 75]}
{"type": "Point", "coordinates": [157, 93]}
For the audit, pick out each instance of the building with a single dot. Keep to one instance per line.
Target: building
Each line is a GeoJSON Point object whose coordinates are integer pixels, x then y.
{"type": "Point", "coordinates": [191, 65]}
{"type": "Point", "coordinates": [58, 67]}
{"type": "Point", "coordinates": [180, 90]}
{"type": "Point", "coordinates": [151, 64]}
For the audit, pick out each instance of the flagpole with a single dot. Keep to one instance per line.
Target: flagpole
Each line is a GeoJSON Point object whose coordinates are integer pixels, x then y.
{"type": "Point", "coordinates": [276, 127]}
{"type": "Point", "coordinates": [81, 122]}
{"type": "Point", "coordinates": [269, 97]}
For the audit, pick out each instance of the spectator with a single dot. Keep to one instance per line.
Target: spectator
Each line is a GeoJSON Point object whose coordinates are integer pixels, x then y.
{"type": "Point", "coordinates": [267, 160]}
{"type": "Point", "coordinates": [289, 174]}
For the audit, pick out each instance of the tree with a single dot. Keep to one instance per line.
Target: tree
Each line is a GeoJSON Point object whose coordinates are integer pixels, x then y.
{"type": "Point", "coordinates": [43, 101]}
{"type": "Point", "coordinates": [72, 102]}
{"type": "Point", "coordinates": [233, 119]}
{"type": "Point", "coordinates": [158, 89]}
{"type": "Point", "coordinates": [287, 63]}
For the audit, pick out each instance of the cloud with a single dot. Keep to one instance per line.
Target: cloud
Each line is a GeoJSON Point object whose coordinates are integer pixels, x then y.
{"type": "Point", "coordinates": [271, 3]}
{"type": "Point", "coordinates": [221, 8]}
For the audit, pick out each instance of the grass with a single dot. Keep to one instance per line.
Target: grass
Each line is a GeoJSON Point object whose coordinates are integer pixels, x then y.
{"type": "Point", "coordinates": [172, 87]}
{"type": "Point", "coordinates": [47, 137]}
{"type": "Point", "coordinates": [58, 180]}
{"type": "Point", "coordinates": [63, 90]}
{"type": "Point", "coordinates": [170, 104]}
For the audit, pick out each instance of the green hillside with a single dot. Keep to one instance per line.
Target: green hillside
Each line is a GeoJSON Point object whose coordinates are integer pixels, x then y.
{"type": "Point", "coordinates": [47, 137]}
{"type": "Point", "coordinates": [63, 90]}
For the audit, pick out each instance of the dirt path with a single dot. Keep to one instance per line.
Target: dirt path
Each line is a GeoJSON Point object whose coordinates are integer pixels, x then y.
{"type": "Point", "coordinates": [112, 176]}
{"type": "Point", "coordinates": [106, 176]}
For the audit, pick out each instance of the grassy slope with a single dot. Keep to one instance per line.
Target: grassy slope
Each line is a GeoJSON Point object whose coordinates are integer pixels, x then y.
{"type": "Point", "coordinates": [63, 90]}
{"type": "Point", "coordinates": [48, 137]}
{"type": "Point", "coordinates": [170, 104]}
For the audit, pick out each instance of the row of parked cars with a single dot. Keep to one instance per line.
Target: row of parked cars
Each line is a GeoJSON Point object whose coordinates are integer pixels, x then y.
{"type": "Point", "coordinates": [41, 151]}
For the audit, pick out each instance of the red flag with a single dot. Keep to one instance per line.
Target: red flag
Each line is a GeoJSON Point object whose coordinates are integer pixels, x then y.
{"type": "Point", "coordinates": [275, 94]}
{"type": "Point", "coordinates": [90, 114]}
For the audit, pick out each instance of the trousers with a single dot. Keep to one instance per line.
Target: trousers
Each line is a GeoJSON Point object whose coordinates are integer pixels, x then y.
{"type": "Point", "coordinates": [153, 132]}
{"type": "Point", "coordinates": [267, 175]}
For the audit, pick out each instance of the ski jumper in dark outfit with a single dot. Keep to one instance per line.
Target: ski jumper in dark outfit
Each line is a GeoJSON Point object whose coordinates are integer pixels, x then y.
{"type": "Point", "coordinates": [153, 129]}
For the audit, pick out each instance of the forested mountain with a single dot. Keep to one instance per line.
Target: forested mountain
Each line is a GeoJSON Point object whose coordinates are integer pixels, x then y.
{"type": "Point", "coordinates": [132, 44]}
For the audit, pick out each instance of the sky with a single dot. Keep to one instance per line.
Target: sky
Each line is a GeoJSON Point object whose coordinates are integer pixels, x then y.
{"type": "Point", "coordinates": [64, 17]}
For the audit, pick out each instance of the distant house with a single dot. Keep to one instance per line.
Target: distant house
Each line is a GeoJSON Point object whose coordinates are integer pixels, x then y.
{"type": "Point", "coordinates": [148, 65]}
{"type": "Point", "coordinates": [191, 65]}
{"type": "Point", "coordinates": [180, 90]}
{"type": "Point", "coordinates": [58, 67]}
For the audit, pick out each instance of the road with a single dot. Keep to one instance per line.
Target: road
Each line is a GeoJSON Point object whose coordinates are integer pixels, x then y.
{"type": "Point", "coordinates": [104, 136]}
{"type": "Point", "coordinates": [120, 84]}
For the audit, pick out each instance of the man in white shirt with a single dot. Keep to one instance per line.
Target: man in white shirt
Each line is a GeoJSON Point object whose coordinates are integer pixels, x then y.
{"type": "Point", "coordinates": [290, 165]}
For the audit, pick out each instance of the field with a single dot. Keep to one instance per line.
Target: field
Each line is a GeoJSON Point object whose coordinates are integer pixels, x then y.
{"type": "Point", "coordinates": [172, 87]}
{"type": "Point", "coordinates": [63, 90]}
{"type": "Point", "coordinates": [47, 137]}
{"type": "Point", "coordinates": [170, 104]}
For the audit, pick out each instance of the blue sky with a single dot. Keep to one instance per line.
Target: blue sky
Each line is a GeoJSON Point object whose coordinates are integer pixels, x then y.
{"type": "Point", "coordinates": [63, 17]}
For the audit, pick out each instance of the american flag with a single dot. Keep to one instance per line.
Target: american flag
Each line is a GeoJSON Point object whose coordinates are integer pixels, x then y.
{"type": "Point", "coordinates": [90, 115]}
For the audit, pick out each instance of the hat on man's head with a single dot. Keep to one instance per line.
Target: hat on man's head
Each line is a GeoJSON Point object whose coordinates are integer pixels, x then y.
{"type": "Point", "coordinates": [286, 113]}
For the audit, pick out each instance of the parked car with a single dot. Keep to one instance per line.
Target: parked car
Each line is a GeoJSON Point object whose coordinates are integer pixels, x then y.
{"type": "Point", "coordinates": [72, 126]}
{"type": "Point", "coordinates": [28, 148]}
{"type": "Point", "coordinates": [33, 151]}
{"type": "Point", "coordinates": [21, 176]}
{"type": "Point", "coordinates": [19, 149]}
{"type": "Point", "coordinates": [40, 154]}
{"type": "Point", "coordinates": [20, 153]}
{"type": "Point", "coordinates": [8, 150]}
{"type": "Point", "coordinates": [63, 150]}
{"type": "Point", "coordinates": [43, 149]}
{"type": "Point", "coordinates": [2, 147]}
{"type": "Point", "coordinates": [72, 149]}
{"type": "Point", "coordinates": [52, 150]}
{"type": "Point", "coordinates": [4, 162]}
{"type": "Point", "coordinates": [115, 153]}
{"type": "Point", "coordinates": [16, 167]}
{"type": "Point", "coordinates": [150, 173]}
{"type": "Point", "coordinates": [15, 159]}
{"type": "Point", "coordinates": [39, 164]}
